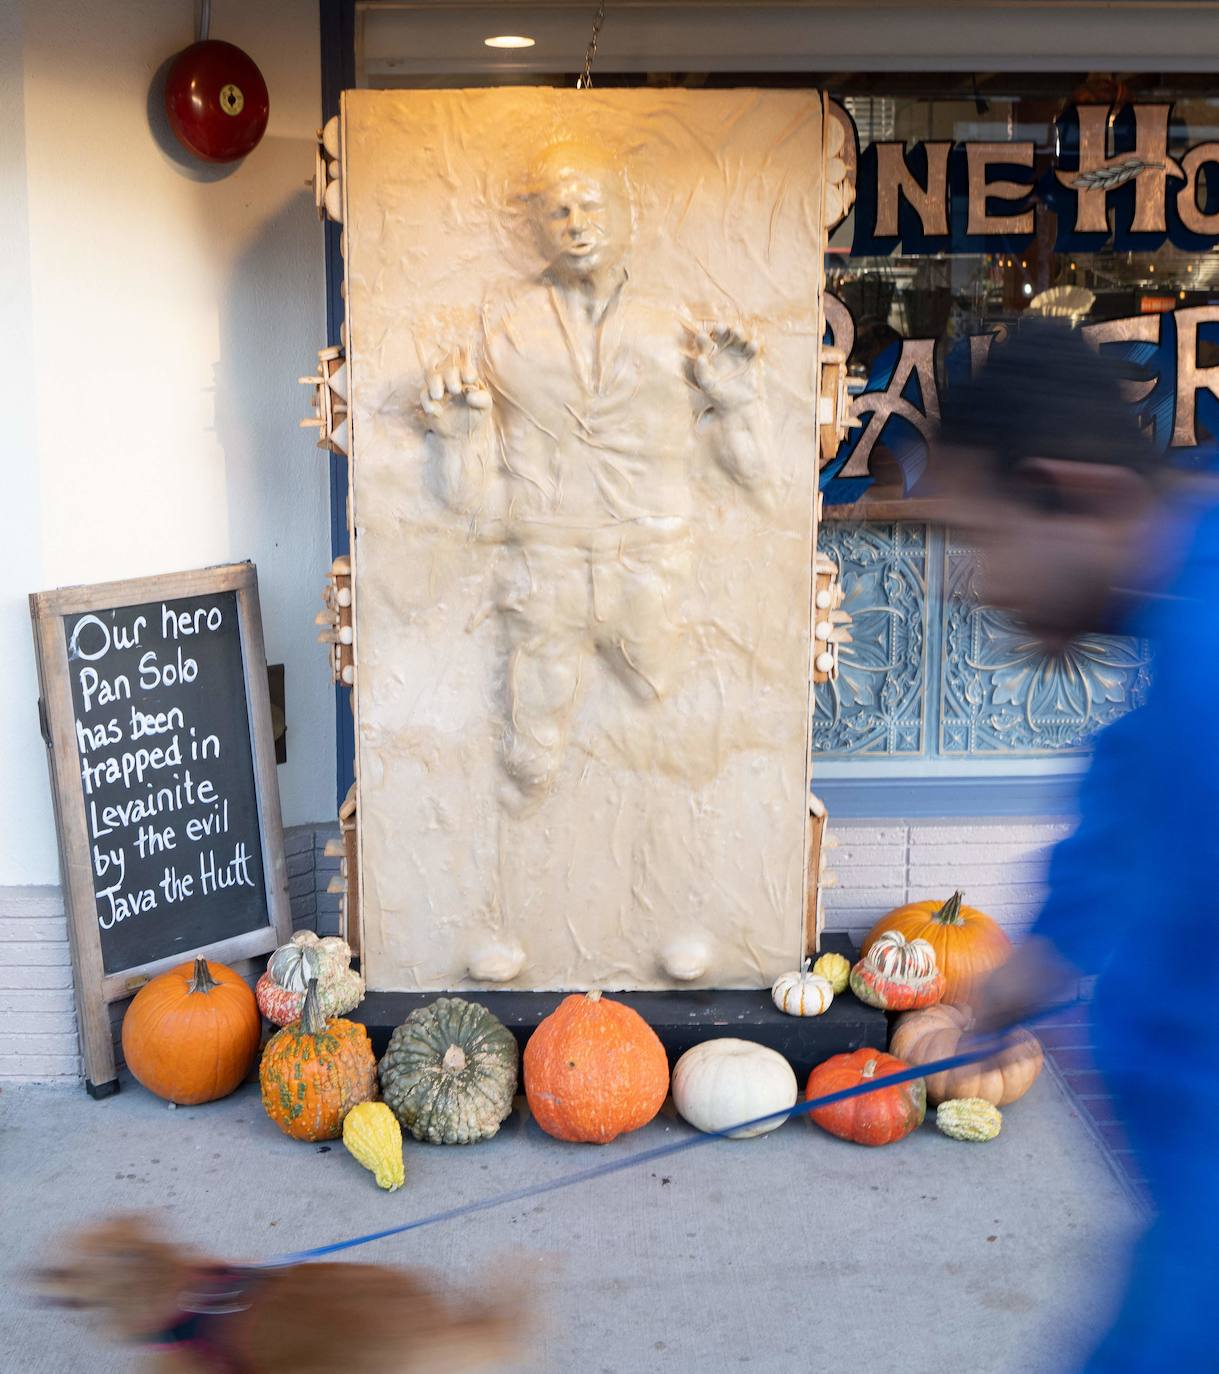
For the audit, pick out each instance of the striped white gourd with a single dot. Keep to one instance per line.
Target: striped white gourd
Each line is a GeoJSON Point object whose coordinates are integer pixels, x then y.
{"type": "Point", "coordinates": [905, 961]}
{"type": "Point", "coordinates": [802, 993]}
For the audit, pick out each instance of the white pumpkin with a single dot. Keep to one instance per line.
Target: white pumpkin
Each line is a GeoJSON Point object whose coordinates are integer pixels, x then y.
{"type": "Point", "coordinates": [721, 1083]}
{"type": "Point", "coordinates": [802, 993]}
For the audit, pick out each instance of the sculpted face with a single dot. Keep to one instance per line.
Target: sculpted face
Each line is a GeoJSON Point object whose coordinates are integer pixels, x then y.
{"type": "Point", "coordinates": [580, 211]}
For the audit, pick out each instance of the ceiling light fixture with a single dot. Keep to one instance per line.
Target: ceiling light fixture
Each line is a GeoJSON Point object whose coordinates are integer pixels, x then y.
{"type": "Point", "coordinates": [509, 40]}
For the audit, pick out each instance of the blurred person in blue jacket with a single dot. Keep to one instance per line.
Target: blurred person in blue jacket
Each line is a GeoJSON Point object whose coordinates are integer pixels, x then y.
{"type": "Point", "coordinates": [1080, 531]}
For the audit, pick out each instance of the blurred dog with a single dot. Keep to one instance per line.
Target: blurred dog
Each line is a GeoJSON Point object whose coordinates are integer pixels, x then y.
{"type": "Point", "coordinates": [197, 1316]}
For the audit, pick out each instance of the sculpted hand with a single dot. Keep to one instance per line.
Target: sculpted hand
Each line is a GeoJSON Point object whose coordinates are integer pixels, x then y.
{"type": "Point", "coordinates": [454, 400]}
{"type": "Point", "coordinates": [725, 367]}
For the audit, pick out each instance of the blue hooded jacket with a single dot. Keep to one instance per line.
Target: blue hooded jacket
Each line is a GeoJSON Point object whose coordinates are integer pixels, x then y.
{"type": "Point", "coordinates": [1134, 899]}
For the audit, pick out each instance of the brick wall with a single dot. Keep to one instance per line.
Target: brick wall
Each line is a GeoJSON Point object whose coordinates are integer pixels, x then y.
{"type": "Point", "coordinates": [878, 865]}
{"type": "Point", "coordinates": [999, 865]}
{"type": "Point", "coordinates": [309, 874]}
{"type": "Point", "coordinates": [38, 1034]}
{"type": "Point", "coordinates": [37, 1013]}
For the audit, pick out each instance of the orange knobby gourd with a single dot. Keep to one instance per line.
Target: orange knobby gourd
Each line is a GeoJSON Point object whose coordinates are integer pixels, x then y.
{"type": "Point", "coordinates": [968, 944]}
{"type": "Point", "coordinates": [594, 1069]}
{"type": "Point", "coordinates": [191, 1034]}
{"type": "Point", "coordinates": [314, 1071]}
{"type": "Point", "coordinates": [875, 1118]}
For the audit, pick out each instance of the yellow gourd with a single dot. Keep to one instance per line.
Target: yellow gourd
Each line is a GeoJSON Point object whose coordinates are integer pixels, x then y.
{"type": "Point", "coordinates": [969, 1118]}
{"type": "Point", "coordinates": [372, 1134]}
{"type": "Point", "coordinates": [835, 970]}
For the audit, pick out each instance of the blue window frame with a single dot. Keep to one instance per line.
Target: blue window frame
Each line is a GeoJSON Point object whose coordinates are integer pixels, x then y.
{"type": "Point", "coordinates": [338, 74]}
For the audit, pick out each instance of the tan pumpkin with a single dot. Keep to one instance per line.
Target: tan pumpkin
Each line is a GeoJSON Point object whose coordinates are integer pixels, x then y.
{"type": "Point", "coordinates": [936, 1032]}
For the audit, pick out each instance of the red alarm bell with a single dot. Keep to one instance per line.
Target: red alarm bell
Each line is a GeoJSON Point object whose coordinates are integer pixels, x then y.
{"type": "Point", "coordinates": [216, 101]}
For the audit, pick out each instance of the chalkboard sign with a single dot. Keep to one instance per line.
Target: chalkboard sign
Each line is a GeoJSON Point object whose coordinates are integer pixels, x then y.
{"type": "Point", "coordinates": [167, 770]}
{"type": "Point", "coordinates": [156, 714]}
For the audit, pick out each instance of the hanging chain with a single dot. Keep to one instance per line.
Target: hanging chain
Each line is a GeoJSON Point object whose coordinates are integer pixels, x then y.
{"type": "Point", "coordinates": [585, 79]}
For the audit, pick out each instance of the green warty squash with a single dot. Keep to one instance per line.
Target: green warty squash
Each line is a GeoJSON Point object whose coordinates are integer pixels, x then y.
{"type": "Point", "coordinates": [450, 1072]}
{"type": "Point", "coordinates": [969, 1118]}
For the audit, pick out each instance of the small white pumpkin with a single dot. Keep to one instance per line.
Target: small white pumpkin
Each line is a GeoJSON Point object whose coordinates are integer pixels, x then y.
{"type": "Point", "coordinates": [802, 993]}
{"type": "Point", "coordinates": [721, 1083]}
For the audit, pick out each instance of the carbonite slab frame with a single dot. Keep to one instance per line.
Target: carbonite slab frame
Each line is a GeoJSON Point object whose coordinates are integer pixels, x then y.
{"type": "Point", "coordinates": [583, 332]}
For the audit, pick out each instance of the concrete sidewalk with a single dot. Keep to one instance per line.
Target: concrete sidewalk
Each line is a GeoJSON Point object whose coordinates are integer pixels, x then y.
{"type": "Point", "coordinates": [794, 1253]}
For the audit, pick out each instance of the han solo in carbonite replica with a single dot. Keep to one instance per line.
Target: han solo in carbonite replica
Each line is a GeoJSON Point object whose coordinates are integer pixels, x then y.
{"type": "Point", "coordinates": [572, 435]}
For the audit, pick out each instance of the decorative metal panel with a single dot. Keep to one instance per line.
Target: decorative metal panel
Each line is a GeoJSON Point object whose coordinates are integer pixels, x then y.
{"type": "Point", "coordinates": [1000, 693]}
{"type": "Point", "coordinates": [875, 707]}
{"type": "Point", "coordinates": [932, 674]}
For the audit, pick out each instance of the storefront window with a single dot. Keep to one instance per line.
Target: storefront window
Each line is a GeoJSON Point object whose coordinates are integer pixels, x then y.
{"type": "Point", "coordinates": [981, 200]}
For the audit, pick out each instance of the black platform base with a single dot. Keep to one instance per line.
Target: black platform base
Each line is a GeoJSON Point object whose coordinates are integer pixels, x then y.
{"type": "Point", "coordinates": [681, 1019]}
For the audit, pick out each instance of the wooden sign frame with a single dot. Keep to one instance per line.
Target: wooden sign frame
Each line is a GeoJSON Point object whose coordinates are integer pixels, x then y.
{"type": "Point", "coordinates": [95, 989]}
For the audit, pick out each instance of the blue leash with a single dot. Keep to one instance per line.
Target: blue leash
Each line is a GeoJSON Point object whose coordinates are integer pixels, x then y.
{"type": "Point", "coordinates": [992, 1044]}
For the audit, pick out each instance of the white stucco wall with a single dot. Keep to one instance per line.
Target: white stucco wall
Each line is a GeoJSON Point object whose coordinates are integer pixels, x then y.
{"type": "Point", "coordinates": [154, 318]}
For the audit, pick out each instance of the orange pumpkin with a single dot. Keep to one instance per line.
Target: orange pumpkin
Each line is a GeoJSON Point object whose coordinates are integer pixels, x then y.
{"type": "Point", "coordinates": [594, 1068]}
{"type": "Point", "coordinates": [876, 1118]}
{"type": "Point", "coordinates": [935, 1033]}
{"type": "Point", "coordinates": [191, 1034]}
{"type": "Point", "coordinates": [314, 1071]}
{"type": "Point", "coordinates": [968, 944]}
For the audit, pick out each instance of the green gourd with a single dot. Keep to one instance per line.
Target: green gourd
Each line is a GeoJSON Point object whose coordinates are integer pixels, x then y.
{"type": "Point", "coordinates": [969, 1118]}
{"type": "Point", "coordinates": [449, 1074]}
